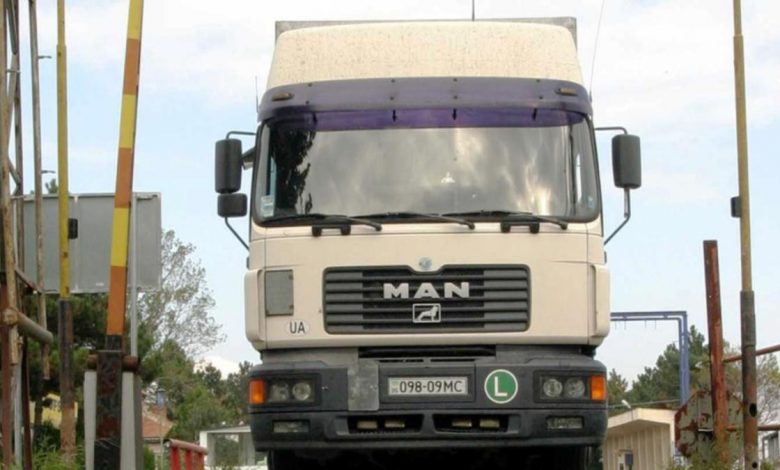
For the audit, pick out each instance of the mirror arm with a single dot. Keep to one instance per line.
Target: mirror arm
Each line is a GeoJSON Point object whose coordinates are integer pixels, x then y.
{"type": "Point", "coordinates": [626, 214]}
{"type": "Point", "coordinates": [239, 133]}
{"type": "Point", "coordinates": [611, 128]}
{"type": "Point", "coordinates": [248, 158]}
{"type": "Point", "coordinates": [238, 237]}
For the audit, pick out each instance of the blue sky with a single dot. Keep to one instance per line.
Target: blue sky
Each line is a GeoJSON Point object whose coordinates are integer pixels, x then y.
{"type": "Point", "coordinates": [662, 69]}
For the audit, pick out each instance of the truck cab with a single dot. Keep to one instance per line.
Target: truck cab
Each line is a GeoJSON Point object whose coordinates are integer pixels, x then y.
{"type": "Point", "coordinates": [426, 244]}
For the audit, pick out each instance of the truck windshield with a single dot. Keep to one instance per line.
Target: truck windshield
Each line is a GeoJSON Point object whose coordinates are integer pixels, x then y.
{"type": "Point", "coordinates": [428, 166]}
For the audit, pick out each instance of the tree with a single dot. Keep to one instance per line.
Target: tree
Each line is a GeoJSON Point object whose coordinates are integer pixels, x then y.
{"type": "Point", "coordinates": [180, 311]}
{"type": "Point", "coordinates": [237, 389]}
{"type": "Point", "coordinates": [198, 410]}
{"type": "Point", "coordinates": [198, 397]}
{"type": "Point", "coordinates": [768, 377]}
{"type": "Point", "coordinates": [768, 389]}
{"type": "Point", "coordinates": [662, 383]}
{"type": "Point", "coordinates": [88, 334]}
{"type": "Point", "coordinates": [617, 390]}
{"type": "Point", "coordinates": [52, 187]}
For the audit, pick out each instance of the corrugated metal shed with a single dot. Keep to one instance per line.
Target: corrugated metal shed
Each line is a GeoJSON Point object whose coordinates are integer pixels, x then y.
{"type": "Point", "coordinates": [641, 439]}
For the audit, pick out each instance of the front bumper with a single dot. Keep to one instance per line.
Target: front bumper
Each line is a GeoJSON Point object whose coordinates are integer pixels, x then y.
{"type": "Point", "coordinates": [359, 393]}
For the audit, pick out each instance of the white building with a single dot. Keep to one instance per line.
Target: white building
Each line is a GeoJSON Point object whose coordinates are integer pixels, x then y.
{"type": "Point", "coordinates": [640, 439]}
{"type": "Point", "coordinates": [770, 448]}
{"type": "Point", "coordinates": [231, 448]}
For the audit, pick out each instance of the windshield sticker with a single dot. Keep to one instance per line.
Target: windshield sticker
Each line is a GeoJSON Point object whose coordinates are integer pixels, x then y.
{"type": "Point", "coordinates": [267, 204]}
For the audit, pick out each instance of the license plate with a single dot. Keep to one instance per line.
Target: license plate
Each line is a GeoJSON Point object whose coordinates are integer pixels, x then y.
{"type": "Point", "coordinates": [427, 386]}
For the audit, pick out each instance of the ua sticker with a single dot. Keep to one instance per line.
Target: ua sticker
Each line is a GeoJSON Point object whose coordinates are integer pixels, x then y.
{"type": "Point", "coordinates": [501, 386]}
{"type": "Point", "coordinates": [298, 327]}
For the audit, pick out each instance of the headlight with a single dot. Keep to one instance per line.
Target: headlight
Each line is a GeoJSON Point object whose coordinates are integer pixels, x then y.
{"type": "Point", "coordinates": [280, 392]}
{"type": "Point", "coordinates": [552, 387]}
{"type": "Point", "coordinates": [570, 387]}
{"type": "Point", "coordinates": [301, 391]}
{"type": "Point", "coordinates": [283, 390]}
{"type": "Point", "coordinates": [574, 388]}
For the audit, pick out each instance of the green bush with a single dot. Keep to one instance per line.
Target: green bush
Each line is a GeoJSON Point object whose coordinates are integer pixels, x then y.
{"type": "Point", "coordinates": [149, 459]}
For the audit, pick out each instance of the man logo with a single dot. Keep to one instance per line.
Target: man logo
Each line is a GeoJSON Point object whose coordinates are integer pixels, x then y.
{"type": "Point", "coordinates": [426, 313]}
{"type": "Point", "coordinates": [425, 291]}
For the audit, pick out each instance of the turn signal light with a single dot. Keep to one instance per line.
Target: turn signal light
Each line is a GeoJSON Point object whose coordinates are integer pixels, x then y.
{"type": "Point", "coordinates": [598, 388]}
{"type": "Point", "coordinates": [256, 392]}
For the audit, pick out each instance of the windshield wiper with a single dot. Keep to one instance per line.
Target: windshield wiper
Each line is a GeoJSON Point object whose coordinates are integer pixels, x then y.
{"type": "Point", "coordinates": [326, 221]}
{"type": "Point", "coordinates": [420, 215]}
{"type": "Point", "coordinates": [510, 219]}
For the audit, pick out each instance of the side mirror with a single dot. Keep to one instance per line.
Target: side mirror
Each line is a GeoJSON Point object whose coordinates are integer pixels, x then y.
{"type": "Point", "coordinates": [227, 167]}
{"type": "Point", "coordinates": [231, 205]}
{"type": "Point", "coordinates": [626, 161]}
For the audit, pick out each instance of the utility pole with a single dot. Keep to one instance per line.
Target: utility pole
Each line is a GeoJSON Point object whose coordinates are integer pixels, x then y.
{"type": "Point", "coordinates": [746, 295]}
{"type": "Point", "coordinates": [65, 313]}
{"type": "Point", "coordinates": [38, 170]}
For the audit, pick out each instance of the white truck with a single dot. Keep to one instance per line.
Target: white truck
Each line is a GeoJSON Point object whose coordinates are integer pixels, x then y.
{"type": "Point", "coordinates": [426, 265]}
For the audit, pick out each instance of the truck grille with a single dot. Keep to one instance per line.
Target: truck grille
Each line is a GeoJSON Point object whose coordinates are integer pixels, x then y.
{"type": "Point", "coordinates": [498, 299]}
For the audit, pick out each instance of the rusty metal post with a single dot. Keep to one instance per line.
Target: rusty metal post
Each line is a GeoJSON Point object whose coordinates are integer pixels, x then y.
{"type": "Point", "coordinates": [38, 170]}
{"type": "Point", "coordinates": [715, 330]}
{"type": "Point", "coordinates": [16, 111]}
{"type": "Point", "coordinates": [9, 257]}
{"type": "Point", "coordinates": [27, 438]}
{"type": "Point", "coordinates": [746, 295]}
{"type": "Point", "coordinates": [759, 352]}
{"type": "Point", "coordinates": [8, 290]}
{"type": "Point", "coordinates": [18, 140]}
{"type": "Point", "coordinates": [67, 398]}
{"type": "Point", "coordinates": [762, 428]}
{"type": "Point", "coordinates": [7, 400]}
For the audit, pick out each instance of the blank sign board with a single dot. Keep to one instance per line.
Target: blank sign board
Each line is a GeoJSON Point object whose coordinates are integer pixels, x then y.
{"type": "Point", "coordinates": [90, 252]}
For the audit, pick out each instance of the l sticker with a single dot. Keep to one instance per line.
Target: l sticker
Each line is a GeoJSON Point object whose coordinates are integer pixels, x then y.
{"type": "Point", "coordinates": [501, 386]}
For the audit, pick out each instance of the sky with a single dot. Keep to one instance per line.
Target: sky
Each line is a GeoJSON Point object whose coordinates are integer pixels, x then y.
{"type": "Point", "coordinates": [661, 68]}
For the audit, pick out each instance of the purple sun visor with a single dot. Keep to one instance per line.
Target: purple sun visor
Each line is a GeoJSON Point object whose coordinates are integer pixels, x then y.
{"type": "Point", "coordinates": [426, 102]}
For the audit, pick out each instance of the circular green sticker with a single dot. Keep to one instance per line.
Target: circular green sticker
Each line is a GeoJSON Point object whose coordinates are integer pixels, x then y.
{"type": "Point", "coordinates": [501, 386]}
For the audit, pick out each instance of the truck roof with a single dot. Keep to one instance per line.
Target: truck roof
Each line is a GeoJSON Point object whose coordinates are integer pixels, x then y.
{"type": "Point", "coordinates": [424, 49]}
